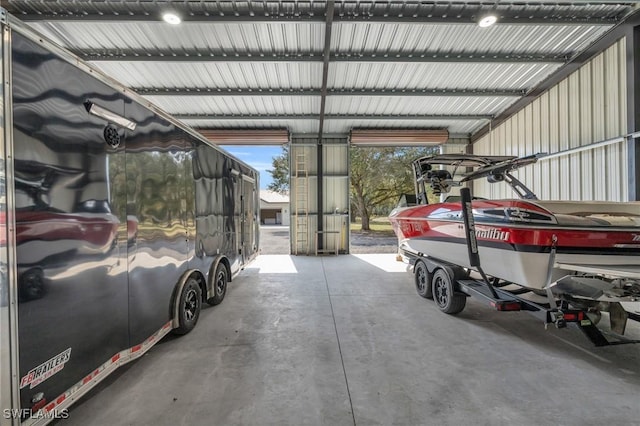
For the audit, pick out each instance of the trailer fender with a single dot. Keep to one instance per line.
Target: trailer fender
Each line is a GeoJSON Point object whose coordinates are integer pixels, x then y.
{"type": "Point", "coordinates": [455, 272]}
{"type": "Point", "coordinates": [175, 305]}
{"type": "Point", "coordinates": [214, 296]}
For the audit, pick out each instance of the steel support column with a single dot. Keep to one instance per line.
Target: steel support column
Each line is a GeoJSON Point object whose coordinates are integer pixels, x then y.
{"type": "Point", "coordinates": [323, 100]}
{"type": "Point", "coordinates": [633, 111]}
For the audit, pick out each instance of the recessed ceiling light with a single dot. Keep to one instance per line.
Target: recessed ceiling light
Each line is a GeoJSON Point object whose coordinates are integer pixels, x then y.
{"type": "Point", "coordinates": [487, 21]}
{"type": "Point", "coordinates": [171, 18]}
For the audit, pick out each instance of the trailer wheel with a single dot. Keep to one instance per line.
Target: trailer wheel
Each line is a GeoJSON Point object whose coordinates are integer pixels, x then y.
{"type": "Point", "coordinates": [219, 285]}
{"type": "Point", "coordinates": [447, 300]}
{"type": "Point", "coordinates": [190, 304]}
{"type": "Point", "coordinates": [423, 280]}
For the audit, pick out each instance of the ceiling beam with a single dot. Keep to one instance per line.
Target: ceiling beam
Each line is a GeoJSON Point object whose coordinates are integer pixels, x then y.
{"type": "Point", "coordinates": [197, 91]}
{"type": "Point", "coordinates": [396, 57]}
{"type": "Point", "coordinates": [326, 57]}
{"type": "Point", "coordinates": [285, 117]}
{"type": "Point", "coordinates": [525, 17]}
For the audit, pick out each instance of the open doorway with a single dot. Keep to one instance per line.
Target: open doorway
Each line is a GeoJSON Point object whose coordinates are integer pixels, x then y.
{"type": "Point", "coordinates": [380, 178]}
{"type": "Point", "coordinates": [274, 194]}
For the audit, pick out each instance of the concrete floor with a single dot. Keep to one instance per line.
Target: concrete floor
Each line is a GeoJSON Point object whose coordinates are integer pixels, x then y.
{"type": "Point", "coordinates": [346, 340]}
{"type": "Point", "coordinates": [274, 239]}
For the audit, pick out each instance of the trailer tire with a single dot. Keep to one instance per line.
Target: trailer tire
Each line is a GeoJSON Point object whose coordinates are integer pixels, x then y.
{"type": "Point", "coordinates": [422, 279]}
{"type": "Point", "coordinates": [220, 280]}
{"type": "Point", "coordinates": [444, 294]}
{"type": "Point", "coordinates": [190, 303]}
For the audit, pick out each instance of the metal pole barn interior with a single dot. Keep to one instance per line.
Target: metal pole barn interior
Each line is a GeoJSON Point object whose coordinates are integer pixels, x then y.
{"type": "Point", "coordinates": [548, 77]}
{"type": "Point", "coordinates": [322, 77]}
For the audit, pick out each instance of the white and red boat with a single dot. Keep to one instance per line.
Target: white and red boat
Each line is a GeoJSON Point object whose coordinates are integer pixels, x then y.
{"type": "Point", "coordinates": [579, 249]}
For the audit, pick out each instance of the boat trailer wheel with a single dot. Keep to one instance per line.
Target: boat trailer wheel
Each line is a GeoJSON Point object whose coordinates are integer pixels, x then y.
{"type": "Point", "coordinates": [444, 294]}
{"type": "Point", "coordinates": [423, 280]}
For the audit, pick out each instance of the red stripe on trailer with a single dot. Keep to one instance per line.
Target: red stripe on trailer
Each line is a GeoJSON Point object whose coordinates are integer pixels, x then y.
{"type": "Point", "coordinates": [113, 362]}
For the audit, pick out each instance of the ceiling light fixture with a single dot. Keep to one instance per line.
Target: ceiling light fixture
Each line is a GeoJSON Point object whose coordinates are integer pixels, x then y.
{"type": "Point", "coordinates": [487, 21]}
{"type": "Point", "coordinates": [171, 18]}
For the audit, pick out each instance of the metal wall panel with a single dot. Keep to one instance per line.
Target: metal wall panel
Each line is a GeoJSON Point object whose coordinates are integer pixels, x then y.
{"type": "Point", "coordinates": [335, 193]}
{"type": "Point", "coordinates": [336, 159]}
{"type": "Point", "coordinates": [455, 146]}
{"type": "Point", "coordinates": [303, 194]}
{"type": "Point", "coordinates": [588, 106]}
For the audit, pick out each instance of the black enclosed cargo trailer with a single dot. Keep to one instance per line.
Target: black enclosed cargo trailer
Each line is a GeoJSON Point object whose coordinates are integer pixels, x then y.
{"type": "Point", "coordinates": [117, 223]}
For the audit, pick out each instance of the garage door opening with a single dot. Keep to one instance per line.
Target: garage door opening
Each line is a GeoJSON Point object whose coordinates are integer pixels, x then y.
{"type": "Point", "coordinates": [274, 198]}
{"type": "Point", "coordinates": [381, 178]}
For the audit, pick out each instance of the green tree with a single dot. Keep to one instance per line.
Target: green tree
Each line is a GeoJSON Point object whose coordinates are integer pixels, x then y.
{"type": "Point", "coordinates": [280, 172]}
{"type": "Point", "coordinates": [379, 176]}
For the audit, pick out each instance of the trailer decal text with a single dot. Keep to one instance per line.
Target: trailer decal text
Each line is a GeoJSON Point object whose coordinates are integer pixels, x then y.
{"type": "Point", "coordinates": [45, 370]}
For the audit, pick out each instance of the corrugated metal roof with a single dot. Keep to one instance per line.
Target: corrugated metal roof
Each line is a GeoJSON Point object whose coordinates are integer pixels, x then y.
{"type": "Point", "coordinates": [438, 75]}
{"type": "Point", "coordinates": [399, 105]}
{"type": "Point", "coordinates": [277, 46]}
{"type": "Point", "coordinates": [218, 105]}
{"type": "Point", "coordinates": [200, 37]}
{"type": "Point", "coordinates": [254, 75]}
{"type": "Point", "coordinates": [356, 38]}
{"type": "Point", "coordinates": [272, 197]}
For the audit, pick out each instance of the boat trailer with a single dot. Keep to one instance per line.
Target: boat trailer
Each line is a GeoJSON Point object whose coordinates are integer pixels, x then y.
{"type": "Point", "coordinates": [449, 286]}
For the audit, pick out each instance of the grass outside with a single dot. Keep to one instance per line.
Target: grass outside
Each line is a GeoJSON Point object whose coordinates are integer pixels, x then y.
{"type": "Point", "coordinates": [379, 225]}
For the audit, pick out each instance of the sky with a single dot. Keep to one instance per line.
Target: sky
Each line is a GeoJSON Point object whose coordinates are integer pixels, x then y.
{"type": "Point", "coordinates": [259, 157]}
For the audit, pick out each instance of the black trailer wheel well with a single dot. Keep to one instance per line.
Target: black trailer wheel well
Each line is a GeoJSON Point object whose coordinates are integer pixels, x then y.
{"type": "Point", "coordinates": [227, 265]}
{"type": "Point", "coordinates": [207, 291]}
{"type": "Point", "coordinates": [193, 273]}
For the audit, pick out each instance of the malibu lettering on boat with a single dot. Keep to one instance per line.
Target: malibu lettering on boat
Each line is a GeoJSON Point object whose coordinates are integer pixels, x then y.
{"type": "Point", "coordinates": [492, 234]}
{"type": "Point", "coordinates": [45, 370]}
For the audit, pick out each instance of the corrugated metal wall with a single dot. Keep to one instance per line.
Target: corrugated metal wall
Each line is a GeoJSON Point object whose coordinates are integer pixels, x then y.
{"type": "Point", "coordinates": [455, 146]}
{"type": "Point", "coordinates": [304, 194]}
{"type": "Point", "coordinates": [336, 193]}
{"type": "Point", "coordinates": [588, 106]}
